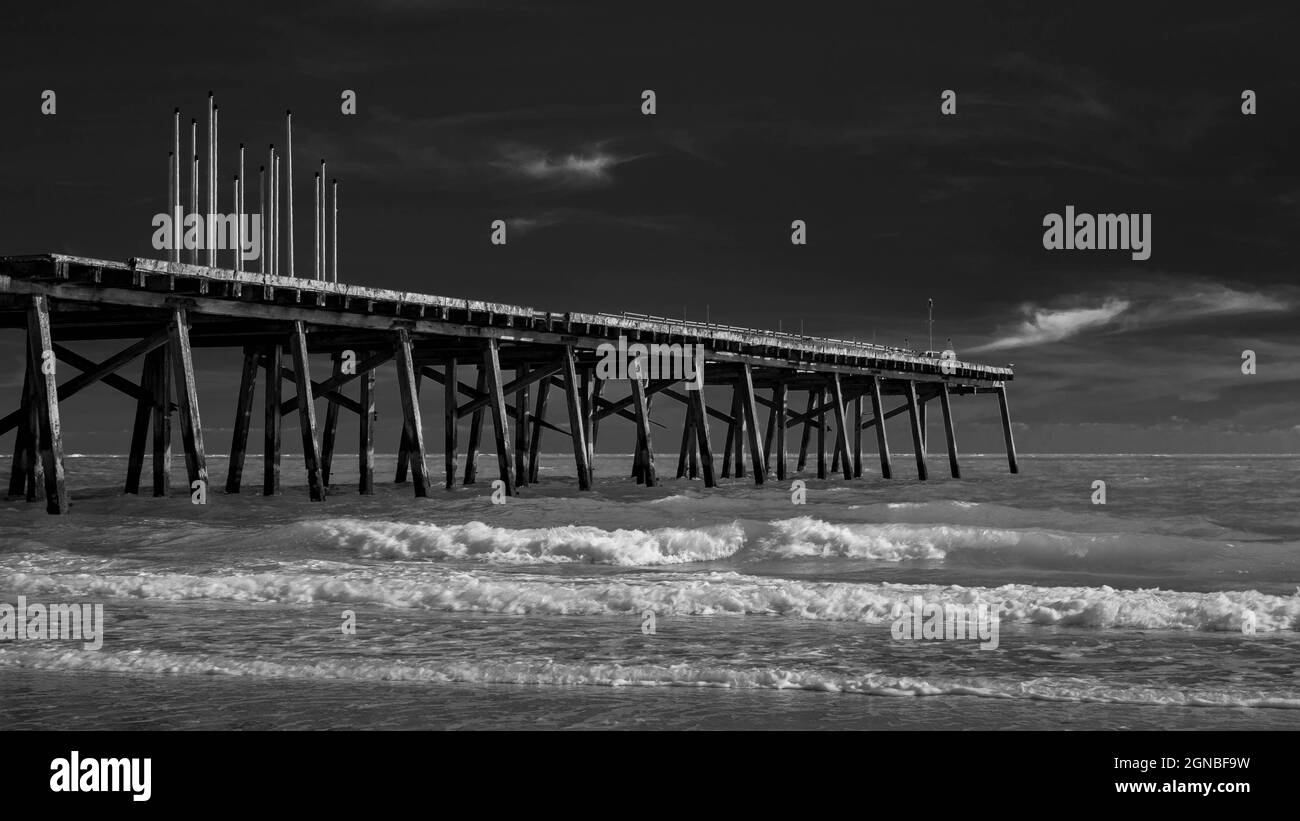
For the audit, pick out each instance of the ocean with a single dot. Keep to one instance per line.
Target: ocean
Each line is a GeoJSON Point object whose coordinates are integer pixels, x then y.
{"type": "Point", "coordinates": [1173, 605]}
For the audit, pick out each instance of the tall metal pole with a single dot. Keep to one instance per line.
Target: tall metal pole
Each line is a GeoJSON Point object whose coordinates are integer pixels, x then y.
{"type": "Point", "coordinates": [315, 237]}
{"type": "Point", "coordinates": [288, 183]}
{"type": "Point", "coordinates": [272, 228]}
{"type": "Point", "coordinates": [239, 221]}
{"type": "Point", "coordinates": [175, 216]}
{"type": "Point", "coordinates": [261, 211]}
{"type": "Point", "coordinates": [931, 348]}
{"type": "Point", "coordinates": [335, 245]}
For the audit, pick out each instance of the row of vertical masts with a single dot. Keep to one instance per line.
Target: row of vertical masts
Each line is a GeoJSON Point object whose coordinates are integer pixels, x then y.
{"type": "Point", "coordinates": [325, 251]}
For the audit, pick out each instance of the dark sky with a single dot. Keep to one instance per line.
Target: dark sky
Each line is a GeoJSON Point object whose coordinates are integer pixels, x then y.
{"type": "Point", "coordinates": [530, 112]}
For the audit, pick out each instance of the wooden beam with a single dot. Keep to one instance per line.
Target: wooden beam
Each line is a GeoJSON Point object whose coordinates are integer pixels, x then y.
{"type": "Point", "coordinates": [949, 432]}
{"type": "Point", "coordinates": [700, 419]}
{"type": "Point", "coordinates": [802, 462]}
{"type": "Point", "coordinates": [112, 380]}
{"type": "Point", "coordinates": [574, 404]}
{"type": "Point", "coordinates": [408, 388]}
{"type": "Point", "coordinates": [590, 393]}
{"type": "Point", "coordinates": [475, 432]}
{"type": "Point", "coordinates": [821, 433]}
{"type": "Point", "coordinates": [918, 442]}
{"type": "Point", "coordinates": [318, 391]}
{"type": "Point", "coordinates": [780, 399]}
{"type": "Point", "coordinates": [404, 442]}
{"type": "Point", "coordinates": [682, 458]}
{"type": "Point", "coordinates": [642, 410]}
{"type": "Point", "coordinates": [841, 426]}
{"type": "Point", "coordinates": [684, 398]}
{"type": "Point", "coordinates": [330, 386]}
{"type": "Point", "coordinates": [331, 424]}
{"type": "Point", "coordinates": [521, 428]}
{"type": "Point", "coordinates": [449, 421]}
{"type": "Point", "coordinates": [750, 408]}
{"type": "Point", "coordinates": [366, 434]}
{"type": "Point", "coordinates": [271, 431]}
{"type": "Point", "coordinates": [1012, 463]}
{"type": "Point", "coordinates": [243, 416]}
{"type": "Point", "coordinates": [882, 439]}
{"type": "Point", "coordinates": [139, 430]}
{"type": "Point", "coordinates": [925, 427]}
{"type": "Point", "coordinates": [162, 421]}
{"type": "Point", "coordinates": [500, 422]}
{"type": "Point", "coordinates": [772, 415]}
{"type": "Point", "coordinates": [857, 436]}
{"type": "Point", "coordinates": [479, 401]}
{"type": "Point", "coordinates": [46, 399]}
{"type": "Point", "coordinates": [187, 398]}
{"type": "Point", "coordinates": [306, 412]}
{"type": "Point", "coordinates": [539, 419]}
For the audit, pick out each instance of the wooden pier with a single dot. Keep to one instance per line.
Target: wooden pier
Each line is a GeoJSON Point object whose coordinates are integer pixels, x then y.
{"type": "Point", "coordinates": [481, 354]}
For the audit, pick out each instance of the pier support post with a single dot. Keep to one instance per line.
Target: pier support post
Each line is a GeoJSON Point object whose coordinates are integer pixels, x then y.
{"type": "Point", "coordinates": [306, 411]}
{"type": "Point", "coordinates": [949, 431]}
{"type": "Point", "coordinates": [450, 384]}
{"type": "Point", "coordinates": [404, 445]}
{"type": "Point", "coordinates": [521, 430]}
{"type": "Point", "coordinates": [683, 457]}
{"type": "Point", "coordinates": [573, 403]}
{"type": "Point", "coordinates": [921, 399]}
{"type": "Point", "coordinates": [243, 416]}
{"type": "Point", "coordinates": [821, 433]}
{"type": "Point", "coordinates": [750, 408]}
{"type": "Point", "coordinates": [590, 395]}
{"type": "Point", "coordinates": [331, 430]}
{"type": "Point", "coordinates": [500, 419]}
{"type": "Point", "coordinates": [45, 398]}
{"type": "Point", "coordinates": [539, 417]}
{"type": "Point", "coordinates": [807, 432]}
{"type": "Point", "coordinates": [407, 374]}
{"type": "Point", "coordinates": [139, 428]}
{"type": "Point", "coordinates": [20, 467]}
{"type": "Point", "coordinates": [271, 432]}
{"type": "Point", "coordinates": [700, 421]}
{"type": "Point", "coordinates": [857, 436]}
{"type": "Point", "coordinates": [644, 446]}
{"type": "Point", "coordinates": [162, 421]}
{"type": "Point", "coordinates": [366, 434]}
{"type": "Point", "coordinates": [841, 426]}
{"type": "Point", "coordinates": [882, 438]}
{"type": "Point", "coordinates": [770, 434]}
{"type": "Point", "coordinates": [779, 397]}
{"type": "Point", "coordinates": [475, 433]}
{"type": "Point", "coordinates": [727, 449]}
{"type": "Point", "coordinates": [1006, 429]}
{"type": "Point", "coordinates": [187, 399]}
{"type": "Point", "coordinates": [918, 441]}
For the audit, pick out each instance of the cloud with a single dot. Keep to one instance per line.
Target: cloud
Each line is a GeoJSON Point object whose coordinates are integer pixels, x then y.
{"type": "Point", "coordinates": [1045, 325]}
{"type": "Point", "coordinates": [1137, 306]}
{"type": "Point", "coordinates": [582, 168]}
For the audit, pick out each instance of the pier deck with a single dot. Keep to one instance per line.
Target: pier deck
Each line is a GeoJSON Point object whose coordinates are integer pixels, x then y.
{"type": "Point", "coordinates": [168, 308]}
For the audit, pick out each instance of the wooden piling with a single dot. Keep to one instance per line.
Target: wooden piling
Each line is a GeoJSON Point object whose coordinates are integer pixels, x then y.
{"type": "Point", "coordinates": [404, 443]}
{"type": "Point", "coordinates": [407, 387]}
{"type": "Point", "coordinates": [139, 428]}
{"type": "Point", "coordinates": [307, 412]}
{"type": "Point", "coordinates": [330, 432]}
{"type": "Point", "coordinates": [1012, 463]}
{"type": "Point", "coordinates": [500, 420]}
{"type": "Point", "coordinates": [700, 418]}
{"type": "Point", "coordinates": [46, 399]}
{"type": "Point", "coordinates": [882, 437]}
{"type": "Point", "coordinates": [857, 436]}
{"type": "Point", "coordinates": [808, 423]}
{"type": "Point", "coordinates": [475, 432]}
{"type": "Point", "coordinates": [750, 409]}
{"type": "Point", "coordinates": [366, 433]}
{"type": "Point", "coordinates": [449, 421]}
{"type": "Point", "coordinates": [948, 430]}
{"type": "Point", "coordinates": [918, 441]}
{"type": "Point", "coordinates": [243, 416]}
{"type": "Point", "coordinates": [539, 420]}
{"type": "Point", "coordinates": [521, 430]}
{"type": "Point", "coordinates": [573, 403]}
{"type": "Point", "coordinates": [841, 426]}
{"type": "Point", "coordinates": [643, 427]}
{"type": "Point", "coordinates": [821, 433]}
{"type": "Point", "coordinates": [780, 397]}
{"type": "Point", "coordinates": [162, 421]}
{"type": "Point", "coordinates": [271, 430]}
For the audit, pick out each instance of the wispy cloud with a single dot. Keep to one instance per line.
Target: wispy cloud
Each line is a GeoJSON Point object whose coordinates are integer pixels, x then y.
{"type": "Point", "coordinates": [586, 167]}
{"type": "Point", "coordinates": [1133, 307]}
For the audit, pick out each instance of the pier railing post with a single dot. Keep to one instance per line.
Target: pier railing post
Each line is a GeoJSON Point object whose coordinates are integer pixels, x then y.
{"type": "Point", "coordinates": [406, 383]}
{"type": "Point", "coordinates": [1012, 463]}
{"type": "Point", "coordinates": [46, 401]}
{"type": "Point", "coordinates": [918, 442]}
{"type": "Point", "coordinates": [500, 419]}
{"type": "Point", "coordinates": [949, 431]}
